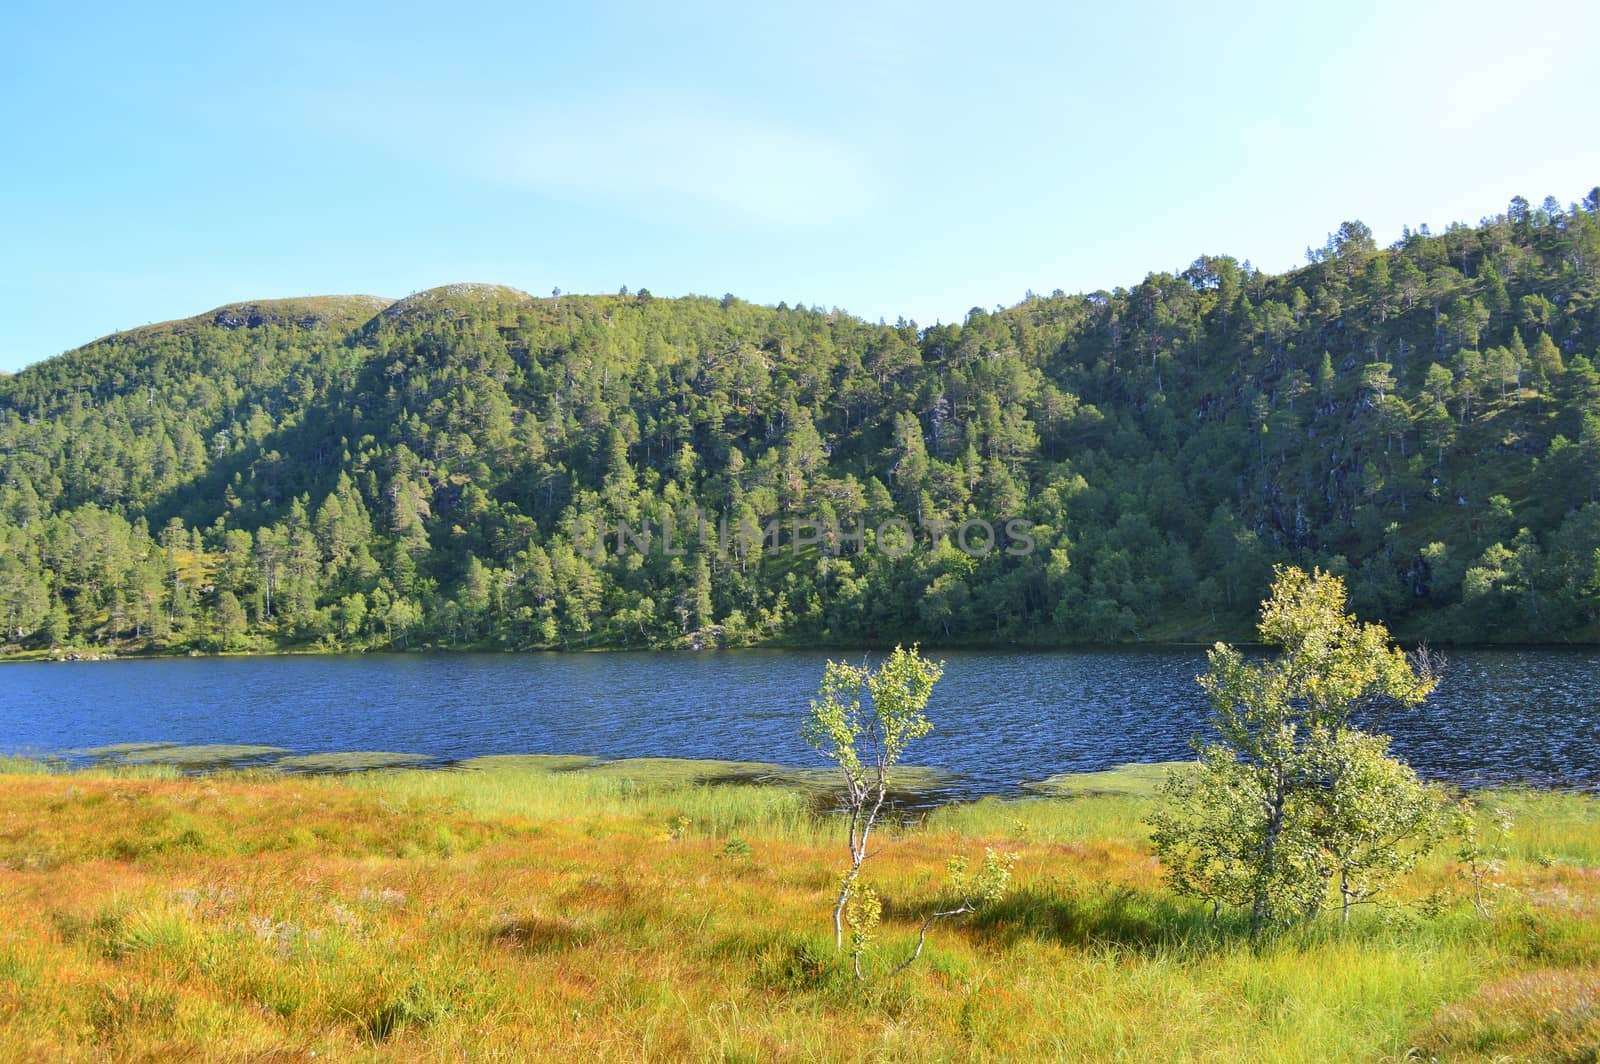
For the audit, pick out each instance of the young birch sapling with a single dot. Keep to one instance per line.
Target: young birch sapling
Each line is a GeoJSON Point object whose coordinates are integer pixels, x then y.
{"type": "Point", "coordinates": [976, 891]}
{"type": "Point", "coordinates": [863, 719]}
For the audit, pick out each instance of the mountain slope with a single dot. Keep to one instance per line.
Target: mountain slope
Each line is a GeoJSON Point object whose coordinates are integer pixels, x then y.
{"type": "Point", "coordinates": [1423, 418]}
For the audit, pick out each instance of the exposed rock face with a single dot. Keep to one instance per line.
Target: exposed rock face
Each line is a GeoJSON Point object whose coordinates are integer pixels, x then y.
{"type": "Point", "coordinates": [309, 312]}
{"type": "Point", "coordinates": [448, 300]}
{"type": "Point", "coordinates": [301, 313]}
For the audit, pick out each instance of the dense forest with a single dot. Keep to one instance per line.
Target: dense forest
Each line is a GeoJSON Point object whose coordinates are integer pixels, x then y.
{"type": "Point", "coordinates": [451, 469]}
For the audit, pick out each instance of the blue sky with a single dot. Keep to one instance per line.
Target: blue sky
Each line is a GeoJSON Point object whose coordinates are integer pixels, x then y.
{"type": "Point", "coordinates": [896, 159]}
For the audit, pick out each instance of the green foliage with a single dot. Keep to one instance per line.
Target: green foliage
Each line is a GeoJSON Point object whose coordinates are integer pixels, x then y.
{"type": "Point", "coordinates": [735, 849]}
{"type": "Point", "coordinates": [1291, 794]}
{"type": "Point", "coordinates": [975, 891]}
{"type": "Point", "coordinates": [863, 913]}
{"type": "Point", "coordinates": [1480, 836]}
{"type": "Point", "coordinates": [1376, 820]}
{"type": "Point", "coordinates": [862, 720]}
{"type": "Point", "coordinates": [988, 884]}
{"type": "Point", "coordinates": [1422, 419]}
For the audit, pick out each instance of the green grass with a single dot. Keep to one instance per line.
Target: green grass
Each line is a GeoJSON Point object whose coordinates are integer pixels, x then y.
{"type": "Point", "coordinates": [208, 755]}
{"type": "Point", "coordinates": [115, 750]}
{"type": "Point", "coordinates": [517, 908]}
{"type": "Point", "coordinates": [352, 761]}
{"type": "Point", "coordinates": [1133, 781]}
{"type": "Point", "coordinates": [1549, 825]}
{"type": "Point", "coordinates": [531, 763]}
{"type": "Point", "coordinates": [22, 766]}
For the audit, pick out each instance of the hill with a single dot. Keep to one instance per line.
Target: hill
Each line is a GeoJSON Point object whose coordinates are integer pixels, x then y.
{"type": "Point", "coordinates": [340, 313]}
{"type": "Point", "coordinates": [452, 468]}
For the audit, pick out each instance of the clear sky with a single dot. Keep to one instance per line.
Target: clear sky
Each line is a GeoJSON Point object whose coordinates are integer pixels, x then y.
{"type": "Point", "coordinates": [157, 160]}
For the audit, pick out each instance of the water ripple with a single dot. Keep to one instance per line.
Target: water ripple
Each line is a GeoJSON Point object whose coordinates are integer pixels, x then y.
{"type": "Point", "coordinates": [1513, 715]}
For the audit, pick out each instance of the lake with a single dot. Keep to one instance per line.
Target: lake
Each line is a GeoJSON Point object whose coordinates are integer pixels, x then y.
{"type": "Point", "coordinates": [1001, 719]}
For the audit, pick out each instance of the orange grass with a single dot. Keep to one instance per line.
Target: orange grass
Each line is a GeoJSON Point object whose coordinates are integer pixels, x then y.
{"type": "Point", "coordinates": [239, 917]}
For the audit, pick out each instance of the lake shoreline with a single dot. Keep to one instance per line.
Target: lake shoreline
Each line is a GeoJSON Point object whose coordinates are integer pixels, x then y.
{"type": "Point", "coordinates": [917, 788]}
{"type": "Point", "coordinates": [88, 656]}
{"type": "Point", "coordinates": [1003, 718]}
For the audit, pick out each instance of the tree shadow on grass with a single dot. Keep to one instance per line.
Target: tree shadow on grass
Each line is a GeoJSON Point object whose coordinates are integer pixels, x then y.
{"type": "Point", "coordinates": [1118, 917]}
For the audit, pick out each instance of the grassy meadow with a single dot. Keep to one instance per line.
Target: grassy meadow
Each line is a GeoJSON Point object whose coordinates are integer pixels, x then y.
{"type": "Point", "coordinates": [520, 908]}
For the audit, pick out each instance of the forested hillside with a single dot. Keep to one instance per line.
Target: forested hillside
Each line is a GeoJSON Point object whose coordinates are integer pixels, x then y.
{"type": "Point", "coordinates": [345, 471]}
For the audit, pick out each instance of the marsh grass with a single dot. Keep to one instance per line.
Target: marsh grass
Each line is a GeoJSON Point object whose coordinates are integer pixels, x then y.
{"type": "Point", "coordinates": [112, 751]}
{"type": "Point", "coordinates": [1130, 781]}
{"type": "Point", "coordinates": [206, 756]}
{"type": "Point", "coordinates": [527, 909]}
{"type": "Point", "coordinates": [352, 761]}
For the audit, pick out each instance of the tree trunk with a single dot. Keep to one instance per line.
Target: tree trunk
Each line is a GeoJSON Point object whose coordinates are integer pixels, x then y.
{"type": "Point", "coordinates": [1261, 903]}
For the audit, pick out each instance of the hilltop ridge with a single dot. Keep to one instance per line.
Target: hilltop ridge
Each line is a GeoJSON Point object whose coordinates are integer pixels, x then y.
{"type": "Point", "coordinates": [339, 312]}
{"type": "Point", "coordinates": [452, 299]}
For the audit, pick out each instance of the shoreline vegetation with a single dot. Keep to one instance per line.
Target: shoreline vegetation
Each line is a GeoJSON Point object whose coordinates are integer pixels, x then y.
{"type": "Point", "coordinates": [915, 787]}
{"type": "Point", "coordinates": [534, 906]}
{"type": "Point", "coordinates": [914, 784]}
{"type": "Point", "coordinates": [65, 655]}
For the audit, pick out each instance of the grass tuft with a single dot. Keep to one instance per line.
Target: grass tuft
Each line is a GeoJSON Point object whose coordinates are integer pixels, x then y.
{"type": "Point", "coordinates": [353, 761]}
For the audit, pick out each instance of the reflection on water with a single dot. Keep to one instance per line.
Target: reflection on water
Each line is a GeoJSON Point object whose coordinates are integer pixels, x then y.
{"type": "Point", "coordinates": [1000, 719]}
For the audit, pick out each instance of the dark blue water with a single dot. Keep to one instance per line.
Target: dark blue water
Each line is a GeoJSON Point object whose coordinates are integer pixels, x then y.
{"type": "Point", "coordinates": [1001, 719]}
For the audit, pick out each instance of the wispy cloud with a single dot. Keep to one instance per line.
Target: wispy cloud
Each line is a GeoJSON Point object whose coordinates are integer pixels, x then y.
{"type": "Point", "coordinates": [654, 157]}
{"type": "Point", "coordinates": [657, 157]}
